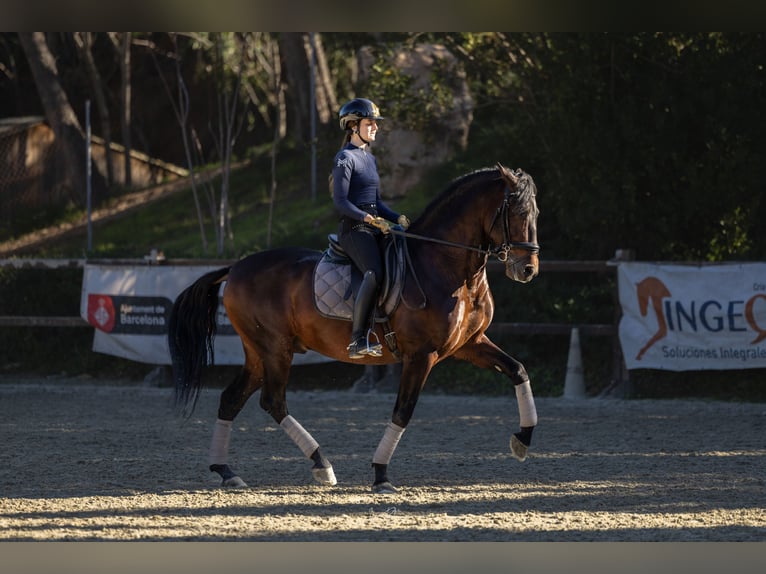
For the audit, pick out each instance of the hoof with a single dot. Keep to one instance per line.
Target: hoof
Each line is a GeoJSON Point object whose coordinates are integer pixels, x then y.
{"type": "Point", "coordinates": [383, 488]}
{"type": "Point", "coordinates": [324, 476]}
{"type": "Point", "coordinates": [518, 449]}
{"type": "Point", "coordinates": [234, 482]}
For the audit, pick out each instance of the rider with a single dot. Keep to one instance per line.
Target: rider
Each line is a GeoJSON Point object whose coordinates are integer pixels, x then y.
{"type": "Point", "coordinates": [356, 195]}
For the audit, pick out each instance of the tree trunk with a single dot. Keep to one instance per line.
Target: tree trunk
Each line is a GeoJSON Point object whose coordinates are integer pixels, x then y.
{"type": "Point", "coordinates": [227, 120]}
{"type": "Point", "coordinates": [279, 93]}
{"type": "Point", "coordinates": [125, 100]}
{"type": "Point", "coordinates": [121, 42]}
{"type": "Point", "coordinates": [292, 47]}
{"type": "Point", "coordinates": [84, 41]}
{"type": "Point", "coordinates": [58, 111]}
{"type": "Point", "coordinates": [327, 101]}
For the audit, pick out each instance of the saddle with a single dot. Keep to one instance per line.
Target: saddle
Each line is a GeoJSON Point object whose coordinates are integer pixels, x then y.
{"type": "Point", "coordinates": [337, 280]}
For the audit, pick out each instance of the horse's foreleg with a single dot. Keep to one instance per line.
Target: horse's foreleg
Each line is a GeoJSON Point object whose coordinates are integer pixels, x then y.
{"type": "Point", "coordinates": [322, 470]}
{"type": "Point", "coordinates": [414, 374]}
{"type": "Point", "coordinates": [485, 354]}
{"type": "Point", "coordinates": [382, 456]}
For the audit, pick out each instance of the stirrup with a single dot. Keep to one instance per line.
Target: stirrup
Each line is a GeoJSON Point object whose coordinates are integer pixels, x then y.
{"type": "Point", "coordinates": [361, 346]}
{"type": "Point", "coordinates": [375, 349]}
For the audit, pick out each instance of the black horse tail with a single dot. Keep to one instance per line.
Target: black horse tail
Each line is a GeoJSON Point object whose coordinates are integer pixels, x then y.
{"type": "Point", "coordinates": [191, 332]}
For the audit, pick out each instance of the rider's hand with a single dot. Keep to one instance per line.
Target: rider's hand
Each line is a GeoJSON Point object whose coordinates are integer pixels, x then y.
{"type": "Point", "coordinates": [381, 224]}
{"type": "Point", "coordinates": [403, 221]}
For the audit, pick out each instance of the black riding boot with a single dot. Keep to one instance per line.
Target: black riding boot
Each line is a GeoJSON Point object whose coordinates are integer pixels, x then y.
{"type": "Point", "coordinates": [365, 299]}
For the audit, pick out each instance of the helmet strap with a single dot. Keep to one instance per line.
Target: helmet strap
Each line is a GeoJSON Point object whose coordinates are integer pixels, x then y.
{"type": "Point", "coordinates": [358, 133]}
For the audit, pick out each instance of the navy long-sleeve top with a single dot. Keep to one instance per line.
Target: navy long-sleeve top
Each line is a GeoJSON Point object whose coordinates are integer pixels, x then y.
{"type": "Point", "coordinates": [356, 182]}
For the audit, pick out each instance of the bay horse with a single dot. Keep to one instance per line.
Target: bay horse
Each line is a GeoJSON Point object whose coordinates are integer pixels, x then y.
{"type": "Point", "coordinates": [446, 307]}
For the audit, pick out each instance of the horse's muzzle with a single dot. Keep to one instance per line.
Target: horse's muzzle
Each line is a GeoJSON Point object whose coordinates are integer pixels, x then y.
{"type": "Point", "coordinates": [523, 269]}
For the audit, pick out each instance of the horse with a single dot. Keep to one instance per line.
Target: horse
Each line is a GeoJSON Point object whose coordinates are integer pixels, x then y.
{"type": "Point", "coordinates": [445, 308]}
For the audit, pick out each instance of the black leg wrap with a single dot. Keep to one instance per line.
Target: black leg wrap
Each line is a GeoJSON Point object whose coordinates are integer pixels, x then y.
{"type": "Point", "coordinates": [224, 470]}
{"type": "Point", "coordinates": [229, 478]}
{"type": "Point", "coordinates": [381, 472]}
{"type": "Point", "coordinates": [319, 460]}
{"type": "Point", "coordinates": [382, 485]}
{"type": "Point", "coordinates": [525, 435]}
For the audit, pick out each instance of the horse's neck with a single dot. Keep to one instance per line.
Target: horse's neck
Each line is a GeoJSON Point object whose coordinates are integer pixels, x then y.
{"type": "Point", "coordinates": [462, 226]}
{"type": "Point", "coordinates": [458, 218]}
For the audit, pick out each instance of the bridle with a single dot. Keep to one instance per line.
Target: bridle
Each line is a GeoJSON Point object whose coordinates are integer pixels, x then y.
{"type": "Point", "coordinates": [501, 252]}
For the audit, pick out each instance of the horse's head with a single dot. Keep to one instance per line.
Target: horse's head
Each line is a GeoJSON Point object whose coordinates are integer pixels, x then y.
{"type": "Point", "coordinates": [515, 226]}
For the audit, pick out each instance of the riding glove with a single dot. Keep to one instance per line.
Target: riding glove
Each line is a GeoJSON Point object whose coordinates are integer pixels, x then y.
{"type": "Point", "coordinates": [381, 224]}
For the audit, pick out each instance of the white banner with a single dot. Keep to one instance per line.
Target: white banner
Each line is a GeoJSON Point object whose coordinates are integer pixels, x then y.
{"type": "Point", "coordinates": [130, 307]}
{"type": "Point", "coordinates": [686, 317]}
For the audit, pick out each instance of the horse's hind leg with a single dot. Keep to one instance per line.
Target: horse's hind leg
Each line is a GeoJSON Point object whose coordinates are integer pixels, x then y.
{"type": "Point", "coordinates": [274, 402]}
{"type": "Point", "coordinates": [415, 370]}
{"type": "Point", "coordinates": [233, 399]}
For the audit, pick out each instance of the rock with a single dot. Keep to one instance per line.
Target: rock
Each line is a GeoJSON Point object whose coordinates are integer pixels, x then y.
{"type": "Point", "coordinates": [428, 125]}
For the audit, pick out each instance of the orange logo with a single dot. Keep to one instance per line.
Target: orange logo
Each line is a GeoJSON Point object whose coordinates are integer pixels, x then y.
{"type": "Point", "coordinates": [652, 290]}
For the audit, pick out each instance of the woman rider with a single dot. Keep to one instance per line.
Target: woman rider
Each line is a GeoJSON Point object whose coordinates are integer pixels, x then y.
{"type": "Point", "coordinates": [356, 195]}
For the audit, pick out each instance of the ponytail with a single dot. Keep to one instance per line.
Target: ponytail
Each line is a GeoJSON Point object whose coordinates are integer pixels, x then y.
{"type": "Point", "coordinates": [344, 143]}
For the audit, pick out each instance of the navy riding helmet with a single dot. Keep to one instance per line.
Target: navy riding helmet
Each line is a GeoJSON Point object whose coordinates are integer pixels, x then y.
{"type": "Point", "coordinates": [357, 109]}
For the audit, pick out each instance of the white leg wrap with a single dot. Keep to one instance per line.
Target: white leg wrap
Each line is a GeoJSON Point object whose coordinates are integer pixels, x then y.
{"type": "Point", "coordinates": [300, 435]}
{"type": "Point", "coordinates": [219, 446]}
{"type": "Point", "coordinates": [527, 410]}
{"type": "Point", "coordinates": [388, 443]}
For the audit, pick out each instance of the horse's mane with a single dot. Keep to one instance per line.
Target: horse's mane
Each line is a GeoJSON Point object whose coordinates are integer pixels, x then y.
{"type": "Point", "coordinates": [459, 190]}
{"type": "Point", "coordinates": [526, 193]}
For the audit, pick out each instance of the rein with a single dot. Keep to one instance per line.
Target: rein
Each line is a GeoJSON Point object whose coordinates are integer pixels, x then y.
{"type": "Point", "coordinates": [501, 252]}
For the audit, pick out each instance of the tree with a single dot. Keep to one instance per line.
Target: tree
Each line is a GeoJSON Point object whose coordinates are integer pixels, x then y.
{"type": "Point", "coordinates": [326, 100]}
{"type": "Point", "coordinates": [227, 56]}
{"type": "Point", "coordinates": [61, 117]}
{"type": "Point", "coordinates": [181, 106]}
{"type": "Point", "coordinates": [296, 51]}
{"type": "Point", "coordinates": [84, 41]}
{"type": "Point", "coordinates": [632, 138]}
{"type": "Point", "coordinates": [229, 123]}
{"type": "Point", "coordinates": [122, 43]}
{"type": "Point", "coordinates": [297, 75]}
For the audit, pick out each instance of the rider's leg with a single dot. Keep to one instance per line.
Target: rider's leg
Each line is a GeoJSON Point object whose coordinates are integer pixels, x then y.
{"type": "Point", "coordinates": [361, 245]}
{"type": "Point", "coordinates": [363, 307]}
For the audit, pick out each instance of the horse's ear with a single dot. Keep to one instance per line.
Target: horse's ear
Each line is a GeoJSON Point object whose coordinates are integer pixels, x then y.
{"type": "Point", "coordinates": [514, 179]}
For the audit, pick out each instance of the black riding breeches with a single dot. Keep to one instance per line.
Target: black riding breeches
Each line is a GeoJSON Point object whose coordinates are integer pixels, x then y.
{"type": "Point", "coordinates": [361, 245]}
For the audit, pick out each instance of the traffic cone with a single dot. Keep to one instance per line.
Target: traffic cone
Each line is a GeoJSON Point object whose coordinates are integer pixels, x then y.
{"type": "Point", "coordinates": [574, 384]}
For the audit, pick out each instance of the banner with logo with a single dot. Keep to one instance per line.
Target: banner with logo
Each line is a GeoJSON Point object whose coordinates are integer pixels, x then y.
{"type": "Point", "coordinates": [688, 317]}
{"type": "Point", "coordinates": [129, 306]}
